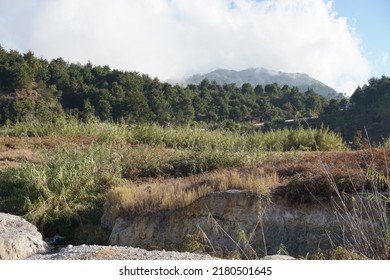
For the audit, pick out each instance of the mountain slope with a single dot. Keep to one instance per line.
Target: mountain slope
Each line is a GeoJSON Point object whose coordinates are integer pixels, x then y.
{"type": "Point", "coordinates": [264, 76]}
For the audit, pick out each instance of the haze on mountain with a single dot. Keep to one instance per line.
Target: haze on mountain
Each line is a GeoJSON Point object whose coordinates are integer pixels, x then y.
{"type": "Point", "coordinates": [263, 76]}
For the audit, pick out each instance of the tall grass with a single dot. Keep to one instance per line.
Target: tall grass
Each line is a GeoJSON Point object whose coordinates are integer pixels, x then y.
{"type": "Point", "coordinates": [299, 139]}
{"type": "Point", "coordinates": [71, 183]}
{"type": "Point", "coordinates": [364, 214]}
{"type": "Point", "coordinates": [276, 140]}
{"type": "Point", "coordinates": [387, 143]}
{"type": "Point", "coordinates": [69, 126]}
{"type": "Point", "coordinates": [131, 200]}
{"type": "Point", "coordinates": [195, 139]}
{"type": "Point", "coordinates": [148, 161]}
{"type": "Point", "coordinates": [188, 138]}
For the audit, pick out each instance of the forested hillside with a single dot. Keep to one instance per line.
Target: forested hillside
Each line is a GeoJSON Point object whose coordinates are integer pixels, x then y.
{"type": "Point", "coordinates": [33, 87]}
{"type": "Point", "coordinates": [367, 114]}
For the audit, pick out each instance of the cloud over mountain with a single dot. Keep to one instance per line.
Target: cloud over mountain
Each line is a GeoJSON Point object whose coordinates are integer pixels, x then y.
{"type": "Point", "coordinates": [175, 38]}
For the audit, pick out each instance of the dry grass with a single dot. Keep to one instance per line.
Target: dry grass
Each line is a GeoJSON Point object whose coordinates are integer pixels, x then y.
{"type": "Point", "coordinates": [14, 151]}
{"type": "Point", "coordinates": [19, 155]}
{"type": "Point", "coordinates": [306, 174]}
{"type": "Point", "coordinates": [131, 199]}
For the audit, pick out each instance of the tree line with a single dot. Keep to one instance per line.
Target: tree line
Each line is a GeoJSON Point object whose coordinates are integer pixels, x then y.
{"type": "Point", "coordinates": [85, 90]}
{"type": "Point", "coordinates": [368, 112]}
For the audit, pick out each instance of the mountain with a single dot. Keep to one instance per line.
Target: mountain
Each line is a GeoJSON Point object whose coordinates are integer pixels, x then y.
{"type": "Point", "coordinates": [262, 76]}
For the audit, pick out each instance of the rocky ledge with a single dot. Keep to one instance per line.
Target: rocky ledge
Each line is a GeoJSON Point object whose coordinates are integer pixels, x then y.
{"type": "Point", "coordinates": [19, 239]}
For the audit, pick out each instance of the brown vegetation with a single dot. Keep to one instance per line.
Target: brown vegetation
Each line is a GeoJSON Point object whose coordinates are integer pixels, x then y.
{"type": "Point", "coordinates": [310, 175]}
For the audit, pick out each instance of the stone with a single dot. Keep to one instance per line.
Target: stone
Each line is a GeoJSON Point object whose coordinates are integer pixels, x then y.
{"type": "Point", "coordinates": [278, 257]}
{"type": "Point", "coordinates": [19, 239]}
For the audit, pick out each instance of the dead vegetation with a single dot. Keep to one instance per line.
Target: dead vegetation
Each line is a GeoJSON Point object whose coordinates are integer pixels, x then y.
{"type": "Point", "coordinates": [309, 175]}
{"type": "Point", "coordinates": [13, 151]}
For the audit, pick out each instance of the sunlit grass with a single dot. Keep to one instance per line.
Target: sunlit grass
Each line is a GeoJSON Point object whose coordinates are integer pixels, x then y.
{"type": "Point", "coordinates": [138, 199]}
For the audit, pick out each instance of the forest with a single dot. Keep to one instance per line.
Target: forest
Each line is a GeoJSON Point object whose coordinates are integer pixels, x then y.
{"type": "Point", "coordinates": [34, 88]}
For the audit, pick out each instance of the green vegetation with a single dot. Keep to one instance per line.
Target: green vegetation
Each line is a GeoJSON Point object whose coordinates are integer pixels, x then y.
{"type": "Point", "coordinates": [35, 89]}
{"type": "Point", "coordinates": [64, 191]}
{"type": "Point", "coordinates": [184, 137]}
{"type": "Point", "coordinates": [67, 126]}
{"type": "Point", "coordinates": [74, 137]}
{"type": "Point", "coordinates": [339, 253]}
{"type": "Point", "coordinates": [274, 140]}
{"type": "Point", "coordinates": [368, 112]}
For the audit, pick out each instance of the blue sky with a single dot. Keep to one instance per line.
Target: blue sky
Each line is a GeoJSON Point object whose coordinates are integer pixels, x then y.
{"type": "Point", "coordinates": [342, 43]}
{"type": "Point", "coordinates": [371, 21]}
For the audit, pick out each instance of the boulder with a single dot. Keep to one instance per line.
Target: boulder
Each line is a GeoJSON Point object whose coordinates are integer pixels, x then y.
{"type": "Point", "coordinates": [19, 239]}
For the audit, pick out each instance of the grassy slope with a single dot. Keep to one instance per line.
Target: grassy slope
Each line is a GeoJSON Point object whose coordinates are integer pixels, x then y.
{"type": "Point", "coordinates": [59, 175]}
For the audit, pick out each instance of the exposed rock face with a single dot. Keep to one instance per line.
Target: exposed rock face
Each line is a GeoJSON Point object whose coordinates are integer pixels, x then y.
{"type": "Point", "coordinates": [301, 228]}
{"type": "Point", "coordinates": [19, 239]}
{"type": "Point", "coordinates": [233, 215]}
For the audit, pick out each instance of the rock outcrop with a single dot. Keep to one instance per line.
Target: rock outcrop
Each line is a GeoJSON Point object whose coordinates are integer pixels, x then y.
{"type": "Point", "coordinates": [234, 220]}
{"type": "Point", "coordinates": [19, 239]}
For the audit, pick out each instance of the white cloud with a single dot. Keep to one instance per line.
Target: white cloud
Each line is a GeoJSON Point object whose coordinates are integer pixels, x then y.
{"type": "Point", "coordinates": [175, 38]}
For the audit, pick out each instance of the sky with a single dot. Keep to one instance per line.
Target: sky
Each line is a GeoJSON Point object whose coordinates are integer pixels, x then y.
{"type": "Point", "coordinates": [342, 43]}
